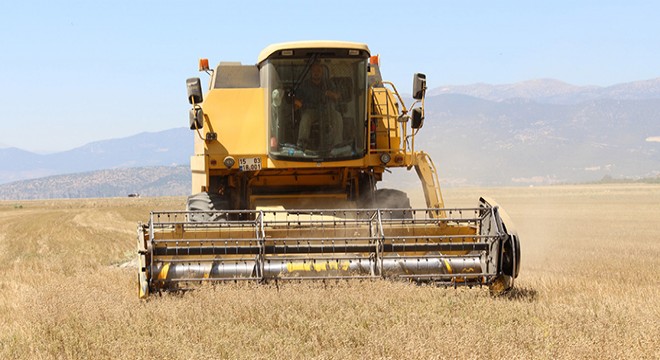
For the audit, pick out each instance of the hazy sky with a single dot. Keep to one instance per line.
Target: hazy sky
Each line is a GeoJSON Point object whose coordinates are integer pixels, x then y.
{"type": "Point", "coordinates": [73, 72]}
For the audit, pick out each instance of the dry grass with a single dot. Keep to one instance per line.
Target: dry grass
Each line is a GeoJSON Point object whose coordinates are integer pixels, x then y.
{"type": "Point", "coordinates": [589, 288]}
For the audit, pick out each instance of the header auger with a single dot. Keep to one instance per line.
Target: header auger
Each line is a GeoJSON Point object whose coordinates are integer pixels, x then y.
{"type": "Point", "coordinates": [288, 154]}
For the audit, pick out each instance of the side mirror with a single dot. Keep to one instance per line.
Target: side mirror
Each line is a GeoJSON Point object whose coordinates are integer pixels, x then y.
{"type": "Point", "coordinates": [196, 116]}
{"type": "Point", "coordinates": [417, 118]}
{"type": "Point", "coordinates": [419, 86]}
{"type": "Point", "coordinates": [194, 86]}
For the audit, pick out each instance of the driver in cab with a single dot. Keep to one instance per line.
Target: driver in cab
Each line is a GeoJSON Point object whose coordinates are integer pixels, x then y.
{"type": "Point", "coordinates": [316, 99]}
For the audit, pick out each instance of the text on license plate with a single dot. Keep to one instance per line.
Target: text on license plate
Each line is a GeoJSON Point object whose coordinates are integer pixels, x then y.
{"type": "Point", "coordinates": [249, 164]}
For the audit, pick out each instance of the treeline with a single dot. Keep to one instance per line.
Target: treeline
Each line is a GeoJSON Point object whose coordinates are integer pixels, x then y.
{"type": "Point", "coordinates": [607, 179]}
{"type": "Point", "coordinates": [146, 181]}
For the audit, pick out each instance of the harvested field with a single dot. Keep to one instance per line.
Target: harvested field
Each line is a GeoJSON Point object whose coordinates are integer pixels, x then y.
{"type": "Point", "coordinates": [589, 288]}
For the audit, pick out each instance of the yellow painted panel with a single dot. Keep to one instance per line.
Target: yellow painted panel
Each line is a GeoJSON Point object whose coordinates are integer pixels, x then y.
{"type": "Point", "coordinates": [318, 267]}
{"type": "Point", "coordinates": [200, 177]}
{"type": "Point", "coordinates": [238, 116]}
{"type": "Point", "coordinates": [265, 53]}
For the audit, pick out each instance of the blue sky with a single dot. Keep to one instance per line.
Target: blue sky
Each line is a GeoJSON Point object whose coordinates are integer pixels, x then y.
{"type": "Point", "coordinates": [73, 72]}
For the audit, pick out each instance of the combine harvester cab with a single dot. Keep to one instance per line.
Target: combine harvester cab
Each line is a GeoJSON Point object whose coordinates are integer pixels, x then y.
{"type": "Point", "coordinates": [288, 153]}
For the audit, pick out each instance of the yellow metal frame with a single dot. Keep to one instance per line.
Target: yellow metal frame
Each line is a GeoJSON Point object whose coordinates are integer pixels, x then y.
{"type": "Point", "coordinates": [238, 118]}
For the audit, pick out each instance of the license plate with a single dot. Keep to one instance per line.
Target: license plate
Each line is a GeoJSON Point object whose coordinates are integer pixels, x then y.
{"type": "Point", "coordinates": [249, 164]}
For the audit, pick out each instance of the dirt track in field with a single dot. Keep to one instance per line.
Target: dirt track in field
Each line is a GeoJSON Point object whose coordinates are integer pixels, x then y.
{"type": "Point", "coordinates": [589, 288]}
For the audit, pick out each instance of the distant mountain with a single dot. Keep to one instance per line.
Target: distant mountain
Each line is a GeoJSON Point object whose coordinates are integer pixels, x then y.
{"type": "Point", "coordinates": [17, 164]}
{"type": "Point", "coordinates": [476, 141]}
{"type": "Point", "coordinates": [554, 91]}
{"type": "Point", "coordinates": [145, 181]}
{"type": "Point", "coordinates": [164, 148]}
{"type": "Point", "coordinates": [531, 133]}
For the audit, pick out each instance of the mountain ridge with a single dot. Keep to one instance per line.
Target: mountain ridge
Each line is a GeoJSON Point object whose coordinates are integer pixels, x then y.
{"type": "Point", "coordinates": [473, 140]}
{"type": "Point", "coordinates": [167, 147]}
{"type": "Point", "coordinates": [144, 181]}
{"type": "Point", "coordinates": [554, 91]}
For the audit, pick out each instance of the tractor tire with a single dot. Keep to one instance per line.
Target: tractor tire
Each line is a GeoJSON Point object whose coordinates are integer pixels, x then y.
{"type": "Point", "coordinates": [392, 200]}
{"type": "Point", "coordinates": [205, 201]}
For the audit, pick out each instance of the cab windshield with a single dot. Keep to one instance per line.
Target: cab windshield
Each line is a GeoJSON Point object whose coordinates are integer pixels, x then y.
{"type": "Point", "coordinates": [316, 107]}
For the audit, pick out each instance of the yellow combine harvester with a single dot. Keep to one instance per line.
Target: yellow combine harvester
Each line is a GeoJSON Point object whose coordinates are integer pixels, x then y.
{"type": "Point", "coordinates": [288, 153]}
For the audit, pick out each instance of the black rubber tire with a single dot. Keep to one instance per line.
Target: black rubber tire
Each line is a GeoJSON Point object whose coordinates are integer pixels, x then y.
{"type": "Point", "coordinates": [510, 255]}
{"type": "Point", "coordinates": [205, 201]}
{"type": "Point", "coordinates": [392, 199]}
